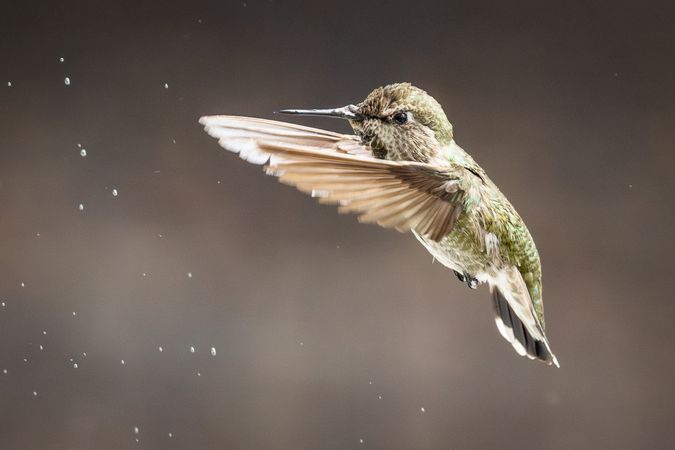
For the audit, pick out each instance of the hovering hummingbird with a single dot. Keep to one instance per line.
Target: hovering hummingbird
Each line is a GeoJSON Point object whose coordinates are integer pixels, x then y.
{"type": "Point", "coordinates": [402, 169]}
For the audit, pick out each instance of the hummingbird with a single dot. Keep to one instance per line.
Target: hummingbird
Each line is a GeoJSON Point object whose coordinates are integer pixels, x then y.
{"type": "Point", "coordinates": [402, 169]}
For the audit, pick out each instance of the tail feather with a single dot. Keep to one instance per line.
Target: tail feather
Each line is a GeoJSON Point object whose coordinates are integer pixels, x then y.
{"type": "Point", "coordinates": [514, 330]}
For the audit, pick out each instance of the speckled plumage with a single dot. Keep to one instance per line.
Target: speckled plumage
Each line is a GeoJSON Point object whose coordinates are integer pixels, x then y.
{"type": "Point", "coordinates": [403, 170]}
{"type": "Point", "coordinates": [486, 209]}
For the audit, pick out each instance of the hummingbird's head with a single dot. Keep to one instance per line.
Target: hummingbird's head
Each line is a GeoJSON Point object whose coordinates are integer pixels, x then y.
{"type": "Point", "coordinates": [397, 122]}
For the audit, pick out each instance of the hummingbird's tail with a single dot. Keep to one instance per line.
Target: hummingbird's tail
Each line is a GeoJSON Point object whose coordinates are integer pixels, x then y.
{"type": "Point", "coordinates": [518, 323]}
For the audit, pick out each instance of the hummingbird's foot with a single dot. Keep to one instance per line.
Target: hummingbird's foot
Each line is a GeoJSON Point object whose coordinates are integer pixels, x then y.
{"type": "Point", "coordinates": [464, 277]}
{"type": "Point", "coordinates": [471, 282]}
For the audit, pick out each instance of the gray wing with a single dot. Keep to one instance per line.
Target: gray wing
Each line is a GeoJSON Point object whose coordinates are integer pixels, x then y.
{"type": "Point", "coordinates": [338, 169]}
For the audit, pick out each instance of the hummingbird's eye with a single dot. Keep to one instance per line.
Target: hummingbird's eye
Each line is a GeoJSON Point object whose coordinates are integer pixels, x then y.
{"type": "Point", "coordinates": [401, 118]}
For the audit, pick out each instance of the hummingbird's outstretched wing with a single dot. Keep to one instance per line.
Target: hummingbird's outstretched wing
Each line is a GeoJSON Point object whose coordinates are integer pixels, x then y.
{"type": "Point", "coordinates": [336, 167]}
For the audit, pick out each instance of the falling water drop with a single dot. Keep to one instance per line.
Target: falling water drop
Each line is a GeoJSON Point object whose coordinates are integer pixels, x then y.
{"type": "Point", "coordinates": [66, 81]}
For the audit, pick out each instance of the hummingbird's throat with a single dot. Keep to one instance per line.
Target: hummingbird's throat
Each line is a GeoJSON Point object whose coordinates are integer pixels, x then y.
{"type": "Point", "coordinates": [396, 143]}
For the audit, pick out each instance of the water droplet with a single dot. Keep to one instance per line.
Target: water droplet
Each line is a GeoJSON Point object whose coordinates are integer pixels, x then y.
{"type": "Point", "coordinates": [81, 207]}
{"type": "Point", "coordinates": [302, 344]}
{"type": "Point", "coordinates": [422, 409]}
{"type": "Point", "coordinates": [61, 59]}
{"type": "Point", "coordinates": [114, 192]}
{"type": "Point", "coordinates": [170, 435]}
{"type": "Point", "coordinates": [23, 284]}
{"type": "Point", "coordinates": [122, 361]}
{"type": "Point", "coordinates": [166, 85]}
{"type": "Point", "coordinates": [213, 351]}
{"type": "Point", "coordinates": [75, 366]}
{"type": "Point", "coordinates": [4, 371]}
{"type": "Point", "coordinates": [74, 314]}
{"type": "Point", "coordinates": [189, 274]}
{"type": "Point", "coordinates": [41, 347]}
{"type": "Point", "coordinates": [199, 374]}
{"type": "Point", "coordinates": [44, 333]}
{"type": "Point", "coordinates": [3, 304]}
{"type": "Point", "coordinates": [66, 81]}
{"type": "Point", "coordinates": [379, 397]}
{"type": "Point", "coordinates": [9, 84]}
{"type": "Point", "coordinates": [34, 393]}
{"type": "Point", "coordinates": [160, 349]}
{"type": "Point", "coordinates": [136, 430]}
{"type": "Point", "coordinates": [83, 152]}
{"type": "Point", "coordinates": [192, 349]}
{"type": "Point", "coordinates": [79, 145]}
{"type": "Point", "coordinates": [84, 354]}
{"type": "Point", "coordinates": [360, 441]}
{"type": "Point", "coordinates": [370, 382]}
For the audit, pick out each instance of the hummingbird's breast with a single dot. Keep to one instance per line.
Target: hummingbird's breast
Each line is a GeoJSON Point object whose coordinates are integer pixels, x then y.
{"type": "Point", "coordinates": [462, 250]}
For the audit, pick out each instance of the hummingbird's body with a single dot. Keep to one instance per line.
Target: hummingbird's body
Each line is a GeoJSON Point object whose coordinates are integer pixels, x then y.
{"type": "Point", "coordinates": [404, 170]}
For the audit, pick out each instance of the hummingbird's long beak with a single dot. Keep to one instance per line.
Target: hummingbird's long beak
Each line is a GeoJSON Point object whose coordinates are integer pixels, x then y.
{"type": "Point", "coordinates": [346, 112]}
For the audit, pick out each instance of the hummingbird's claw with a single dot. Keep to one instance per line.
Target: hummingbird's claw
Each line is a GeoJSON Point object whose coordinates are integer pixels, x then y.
{"type": "Point", "coordinates": [464, 277]}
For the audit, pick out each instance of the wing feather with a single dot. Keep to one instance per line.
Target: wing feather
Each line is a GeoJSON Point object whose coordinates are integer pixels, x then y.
{"type": "Point", "coordinates": [403, 195]}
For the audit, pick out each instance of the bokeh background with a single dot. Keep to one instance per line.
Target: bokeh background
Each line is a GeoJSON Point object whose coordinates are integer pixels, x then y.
{"type": "Point", "coordinates": [327, 333]}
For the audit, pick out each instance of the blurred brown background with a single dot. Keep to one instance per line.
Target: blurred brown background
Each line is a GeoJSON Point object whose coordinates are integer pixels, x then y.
{"type": "Point", "coordinates": [326, 332]}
